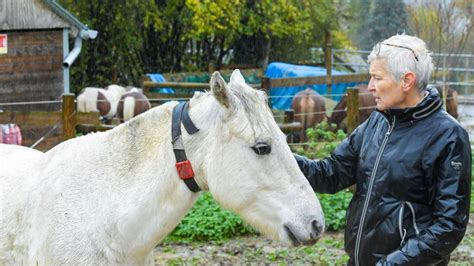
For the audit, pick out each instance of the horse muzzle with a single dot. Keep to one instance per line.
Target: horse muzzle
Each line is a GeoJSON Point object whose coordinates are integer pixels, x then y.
{"type": "Point", "coordinates": [299, 236]}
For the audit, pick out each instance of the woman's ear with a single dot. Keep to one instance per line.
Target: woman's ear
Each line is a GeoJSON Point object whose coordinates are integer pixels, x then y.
{"type": "Point", "coordinates": [409, 81]}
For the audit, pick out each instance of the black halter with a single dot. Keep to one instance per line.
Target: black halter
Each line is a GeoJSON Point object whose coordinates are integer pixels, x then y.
{"type": "Point", "coordinates": [185, 170]}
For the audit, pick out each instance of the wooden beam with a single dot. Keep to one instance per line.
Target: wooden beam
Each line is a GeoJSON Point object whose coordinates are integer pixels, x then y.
{"type": "Point", "coordinates": [351, 78]}
{"type": "Point", "coordinates": [290, 127]}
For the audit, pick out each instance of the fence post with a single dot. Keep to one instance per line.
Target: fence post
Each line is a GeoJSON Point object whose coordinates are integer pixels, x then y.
{"type": "Point", "coordinates": [69, 116]}
{"type": "Point", "coordinates": [352, 109]}
{"type": "Point", "coordinates": [289, 116]}
{"type": "Point", "coordinates": [265, 85]}
{"type": "Point", "coordinates": [328, 62]}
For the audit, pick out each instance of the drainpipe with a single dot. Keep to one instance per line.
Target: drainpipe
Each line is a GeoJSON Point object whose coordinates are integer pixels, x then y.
{"type": "Point", "coordinates": [84, 34]}
{"type": "Point", "coordinates": [71, 57]}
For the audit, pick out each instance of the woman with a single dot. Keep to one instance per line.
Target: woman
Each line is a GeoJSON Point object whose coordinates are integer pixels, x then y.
{"type": "Point", "coordinates": [411, 162]}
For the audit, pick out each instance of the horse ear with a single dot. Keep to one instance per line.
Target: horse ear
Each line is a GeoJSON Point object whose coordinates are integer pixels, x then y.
{"type": "Point", "coordinates": [237, 77]}
{"type": "Point", "coordinates": [219, 89]}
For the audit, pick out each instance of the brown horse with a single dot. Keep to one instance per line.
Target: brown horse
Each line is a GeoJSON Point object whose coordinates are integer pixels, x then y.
{"type": "Point", "coordinates": [451, 101]}
{"type": "Point", "coordinates": [132, 103]}
{"type": "Point", "coordinates": [309, 110]}
{"type": "Point", "coordinates": [367, 105]}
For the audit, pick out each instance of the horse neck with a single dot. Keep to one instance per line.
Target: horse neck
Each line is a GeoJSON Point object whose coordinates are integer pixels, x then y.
{"type": "Point", "coordinates": [338, 113]}
{"type": "Point", "coordinates": [156, 199]}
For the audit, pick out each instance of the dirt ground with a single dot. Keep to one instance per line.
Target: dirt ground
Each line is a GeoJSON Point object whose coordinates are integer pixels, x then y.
{"type": "Point", "coordinates": [261, 251]}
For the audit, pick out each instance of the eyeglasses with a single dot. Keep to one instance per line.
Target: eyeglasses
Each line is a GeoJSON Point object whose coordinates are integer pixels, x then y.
{"type": "Point", "coordinates": [377, 49]}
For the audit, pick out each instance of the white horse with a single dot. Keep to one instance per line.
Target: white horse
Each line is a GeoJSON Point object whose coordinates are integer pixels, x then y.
{"type": "Point", "coordinates": [104, 101]}
{"type": "Point", "coordinates": [110, 197]}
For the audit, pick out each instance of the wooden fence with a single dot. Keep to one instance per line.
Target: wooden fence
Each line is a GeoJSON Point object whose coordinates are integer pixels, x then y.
{"type": "Point", "coordinates": [44, 130]}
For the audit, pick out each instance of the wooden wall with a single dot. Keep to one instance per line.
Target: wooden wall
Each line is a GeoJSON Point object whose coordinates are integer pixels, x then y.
{"type": "Point", "coordinates": [32, 69]}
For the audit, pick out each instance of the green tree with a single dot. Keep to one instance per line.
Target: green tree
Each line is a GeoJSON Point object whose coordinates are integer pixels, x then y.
{"type": "Point", "coordinates": [113, 57]}
{"type": "Point", "coordinates": [388, 17]}
{"type": "Point", "coordinates": [265, 21]}
{"type": "Point", "coordinates": [359, 23]}
{"type": "Point", "coordinates": [446, 27]}
{"type": "Point", "coordinates": [138, 37]}
{"type": "Point", "coordinates": [165, 36]}
{"type": "Point", "coordinates": [324, 15]}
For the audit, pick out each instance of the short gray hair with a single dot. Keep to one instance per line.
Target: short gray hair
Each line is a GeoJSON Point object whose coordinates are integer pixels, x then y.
{"type": "Point", "coordinates": [404, 53]}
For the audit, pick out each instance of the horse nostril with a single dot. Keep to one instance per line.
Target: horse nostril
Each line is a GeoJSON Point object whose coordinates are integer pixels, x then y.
{"type": "Point", "coordinates": [317, 228]}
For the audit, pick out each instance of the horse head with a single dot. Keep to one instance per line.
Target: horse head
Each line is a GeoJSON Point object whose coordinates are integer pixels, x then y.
{"type": "Point", "coordinates": [243, 159]}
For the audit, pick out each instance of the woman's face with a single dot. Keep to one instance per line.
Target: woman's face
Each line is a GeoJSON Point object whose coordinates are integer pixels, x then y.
{"type": "Point", "coordinates": [388, 92]}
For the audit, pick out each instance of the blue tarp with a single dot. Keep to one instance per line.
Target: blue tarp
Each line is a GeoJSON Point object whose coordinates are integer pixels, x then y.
{"type": "Point", "coordinates": [159, 78]}
{"type": "Point", "coordinates": [281, 97]}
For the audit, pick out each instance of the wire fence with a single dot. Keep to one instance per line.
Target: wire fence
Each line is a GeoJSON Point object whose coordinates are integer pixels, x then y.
{"type": "Point", "coordinates": [53, 128]}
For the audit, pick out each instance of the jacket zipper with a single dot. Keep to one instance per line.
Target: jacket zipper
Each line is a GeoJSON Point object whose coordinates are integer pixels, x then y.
{"type": "Point", "coordinates": [369, 192]}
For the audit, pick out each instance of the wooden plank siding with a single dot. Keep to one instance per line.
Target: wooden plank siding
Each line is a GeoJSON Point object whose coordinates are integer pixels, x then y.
{"type": "Point", "coordinates": [32, 70]}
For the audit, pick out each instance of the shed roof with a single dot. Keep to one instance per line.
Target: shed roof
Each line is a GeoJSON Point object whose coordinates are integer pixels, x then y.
{"type": "Point", "coordinates": [35, 14]}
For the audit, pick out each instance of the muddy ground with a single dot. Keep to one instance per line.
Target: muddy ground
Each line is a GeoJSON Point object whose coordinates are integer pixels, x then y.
{"type": "Point", "coordinates": [251, 250]}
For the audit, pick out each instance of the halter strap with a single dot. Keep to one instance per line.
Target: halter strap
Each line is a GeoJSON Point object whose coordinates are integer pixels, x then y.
{"type": "Point", "coordinates": [183, 165]}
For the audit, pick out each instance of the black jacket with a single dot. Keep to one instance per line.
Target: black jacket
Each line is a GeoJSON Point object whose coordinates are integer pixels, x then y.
{"type": "Point", "coordinates": [412, 168]}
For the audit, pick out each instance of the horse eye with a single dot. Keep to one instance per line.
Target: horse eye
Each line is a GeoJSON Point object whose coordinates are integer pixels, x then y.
{"type": "Point", "coordinates": [261, 148]}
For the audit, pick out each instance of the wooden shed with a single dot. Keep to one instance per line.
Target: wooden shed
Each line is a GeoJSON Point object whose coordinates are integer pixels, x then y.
{"type": "Point", "coordinates": [34, 43]}
{"type": "Point", "coordinates": [34, 66]}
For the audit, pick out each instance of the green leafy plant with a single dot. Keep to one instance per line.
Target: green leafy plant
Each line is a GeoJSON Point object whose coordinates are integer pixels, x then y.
{"type": "Point", "coordinates": [208, 221]}
{"type": "Point", "coordinates": [321, 142]}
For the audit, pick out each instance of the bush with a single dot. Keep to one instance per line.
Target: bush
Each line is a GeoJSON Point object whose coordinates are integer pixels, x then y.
{"type": "Point", "coordinates": [208, 221]}
{"type": "Point", "coordinates": [322, 141]}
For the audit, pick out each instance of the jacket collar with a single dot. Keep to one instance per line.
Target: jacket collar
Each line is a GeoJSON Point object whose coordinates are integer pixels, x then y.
{"type": "Point", "coordinates": [430, 103]}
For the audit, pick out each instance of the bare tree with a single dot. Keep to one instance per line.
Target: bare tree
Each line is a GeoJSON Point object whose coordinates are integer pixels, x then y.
{"type": "Point", "coordinates": [446, 26]}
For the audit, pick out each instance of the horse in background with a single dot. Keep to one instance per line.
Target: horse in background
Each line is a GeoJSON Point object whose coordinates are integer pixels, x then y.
{"type": "Point", "coordinates": [367, 105]}
{"type": "Point", "coordinates": [131, 104]}
{"type": "Point", "coordinates": [100, 100]}
{"type": "Point", "coordinates": [310, 110]}
{"type": "Point", "coordinates": [451, 103]}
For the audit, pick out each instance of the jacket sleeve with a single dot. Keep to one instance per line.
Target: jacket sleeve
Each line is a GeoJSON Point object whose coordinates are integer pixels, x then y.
{"type": "Point", "coordinates": [336, 172]}
{"type": "Point", "coordinates": [451, 208]}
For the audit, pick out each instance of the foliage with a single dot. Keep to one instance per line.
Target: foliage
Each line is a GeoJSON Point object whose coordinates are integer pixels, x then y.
{"type": "Point", "coordinates": [321, 141]}
{"type": "Point", "coordinates": [324, 15]}
{"type": "Point", "coordinates": [447, 27]}
{"type": "Point", "coordinates": [389, 17]}
{"type": "Point", "coordinates": [334, 208]}
{"type": "Point", "coordinates": [374, 21]}
{"type": "Point", "coordinates": [114, 56]}
{"type": "Point", "coordinates": [157, 36]}
{"type": "Point", "coordinates": [207, 221]}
